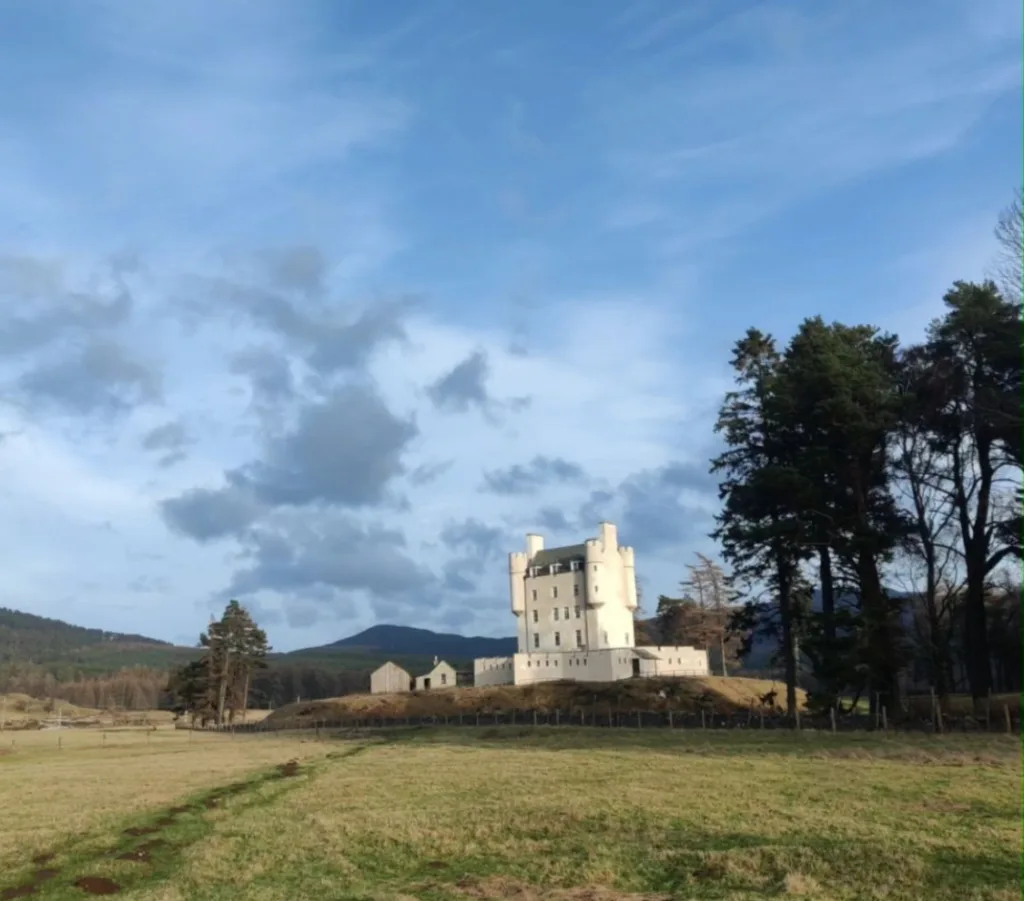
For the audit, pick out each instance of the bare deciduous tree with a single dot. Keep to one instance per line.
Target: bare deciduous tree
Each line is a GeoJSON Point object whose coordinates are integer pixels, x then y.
{"type": "Point", "coordinates": [1009, 265]}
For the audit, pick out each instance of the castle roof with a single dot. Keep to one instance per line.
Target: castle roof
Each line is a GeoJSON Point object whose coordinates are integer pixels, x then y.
{"type": "Point", "coordinates": [559, 555]}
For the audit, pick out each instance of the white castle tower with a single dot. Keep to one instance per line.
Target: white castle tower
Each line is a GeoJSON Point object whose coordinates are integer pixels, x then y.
{"type": "Point", "coordinates": [574, 611]}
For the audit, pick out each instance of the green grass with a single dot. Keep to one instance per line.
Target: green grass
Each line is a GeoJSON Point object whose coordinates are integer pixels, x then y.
{"type": "Point", "coordinates": [597, 814]}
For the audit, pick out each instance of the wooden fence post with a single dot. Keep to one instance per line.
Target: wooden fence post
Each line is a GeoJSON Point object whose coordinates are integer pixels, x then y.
{"type": "Point", "coordinates": [885, 721]}
{"type": "Point", "coordinates": [670, 725]}
{"type": "Point", "coordinates": [1009, 722]}
{"type": "Point", "coordinates": [832, 718]}
{"type": "Point", "coordinates": [703, 722]}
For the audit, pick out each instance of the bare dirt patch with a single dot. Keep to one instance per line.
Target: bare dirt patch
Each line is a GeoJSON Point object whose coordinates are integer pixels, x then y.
{"type": "Point", "coordinates": [506, 889]}
{"type": "Point", "coordinates": [98, 885]}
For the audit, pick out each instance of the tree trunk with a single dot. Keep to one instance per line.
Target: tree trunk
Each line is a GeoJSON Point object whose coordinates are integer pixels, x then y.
{"type": "Point", "coordinates": [784, 574]}
{"type": "Point", "coordinates": [974, 525]}
{"type": "Point", "coordinates": [882, 632]}
{"type": "Point", "coordinates": [828, 619]}
{"type": "Point", "coordinates": [245, 694]}
{"type": "Point", "coordinates": [222, 688]}
{"type": "Point", "coordinates": [828, 595]}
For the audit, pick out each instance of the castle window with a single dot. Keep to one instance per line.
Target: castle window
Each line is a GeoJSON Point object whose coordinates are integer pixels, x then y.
{"type": "Point", "coordinates": [444, 678]}
{"type": "Point", "coordinates": [579, 639]}
{"type": "Point", "coordinates": [577, 610]}
{"type": "Point", "coordinates": [554, 591]}
{"type": "Point", "coordinates": [555, 611]}
{"type": "Point", "coordinates": [565, 610]}
{"type": "Point", "coordinates": [558, 639]}
{"type": "Point", "coordinates": [534, 594]}
{"type": "Point", "coordinates": [535, 617]}
{"type": "Point", "coordinates": [536, 640]}
{"type": "Point", "coordinates": [575, 591]}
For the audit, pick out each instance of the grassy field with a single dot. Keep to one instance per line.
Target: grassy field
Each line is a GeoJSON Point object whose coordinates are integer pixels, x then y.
{"type": "Point", "coordinates": [495, 813]}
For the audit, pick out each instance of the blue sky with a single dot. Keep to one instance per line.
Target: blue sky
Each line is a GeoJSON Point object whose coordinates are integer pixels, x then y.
{"type": "Point", "coordinates": [324, 304]}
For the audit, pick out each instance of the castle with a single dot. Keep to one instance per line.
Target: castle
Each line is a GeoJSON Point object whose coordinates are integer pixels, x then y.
{"type": "Point", "coordinates": [574, 615]}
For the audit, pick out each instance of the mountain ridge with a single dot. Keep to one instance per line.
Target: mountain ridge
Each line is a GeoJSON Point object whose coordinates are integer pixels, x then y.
{"type": "Point", "coordinates": [33, 639]}
{"type": "Point", "coordinates": [387, 638]}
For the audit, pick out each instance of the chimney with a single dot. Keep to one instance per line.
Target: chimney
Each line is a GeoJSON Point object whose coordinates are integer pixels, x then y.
{"type": "Point", "coordinates": [435, 660]}
{"type": "Point", "coordinates": [609, 536]}
{"type": "Point", "coordinates": [534, 543]}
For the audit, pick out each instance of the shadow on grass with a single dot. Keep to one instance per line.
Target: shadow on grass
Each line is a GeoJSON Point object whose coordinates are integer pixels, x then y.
{"type": "Point", "coordinates": [961, 750]}
{"type": "Point", "coordinates": [686, 862]}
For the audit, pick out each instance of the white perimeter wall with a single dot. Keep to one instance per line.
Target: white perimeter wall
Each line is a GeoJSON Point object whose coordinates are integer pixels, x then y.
{"type": "Point", "coordinates": [674, 661]}
{"type": "Point", "coordinates": [493, 671]}
{"type": "Point", "coordinates": [588, 666]}
{"type": "Point", "coordinates": [584, 666]}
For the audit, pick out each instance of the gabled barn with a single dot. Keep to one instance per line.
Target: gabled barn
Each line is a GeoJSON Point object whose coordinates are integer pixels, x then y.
{"type": "Point", "coordinates": [389, 679]}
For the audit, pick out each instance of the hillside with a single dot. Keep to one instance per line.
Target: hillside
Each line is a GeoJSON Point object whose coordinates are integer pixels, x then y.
{"type": "Point", "coordinates": [51, 658]}
{"type": "Point", "coordinates": [27, 638]}
{"type": "Point", "coordinates": [714, 693]}
{"type": "Point", "coordinates": [384, 639]}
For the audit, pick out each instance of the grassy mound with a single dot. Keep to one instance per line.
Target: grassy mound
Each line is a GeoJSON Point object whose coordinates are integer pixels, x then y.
{"type": "Point", "coordinates": [690, 695]}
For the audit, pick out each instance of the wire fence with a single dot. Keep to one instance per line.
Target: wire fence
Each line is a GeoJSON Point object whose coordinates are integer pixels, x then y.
{"type": "Point", "coordinates": [1006, 722]}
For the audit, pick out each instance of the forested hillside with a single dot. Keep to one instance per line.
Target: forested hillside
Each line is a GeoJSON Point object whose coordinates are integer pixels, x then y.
{"type": "Point", "coordinates": [49, 658]}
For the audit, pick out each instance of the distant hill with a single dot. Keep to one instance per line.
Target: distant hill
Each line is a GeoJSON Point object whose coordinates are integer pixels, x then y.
{"type": "Point", "coordinates": [27, 638]}
{"type": "Point", "coordinates": [63, 648]}
{"type": "Point", "coordinates": [406, 641]}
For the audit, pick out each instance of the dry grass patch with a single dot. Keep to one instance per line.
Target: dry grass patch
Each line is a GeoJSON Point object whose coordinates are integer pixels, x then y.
{"type": "Point", "coordinates": [687, 695]}
{"type": "Point", "coordinates": [49, 796]}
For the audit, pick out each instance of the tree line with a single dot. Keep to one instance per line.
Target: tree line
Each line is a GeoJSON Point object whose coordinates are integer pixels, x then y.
{"type": "Point", "coordinates": [887, 476]}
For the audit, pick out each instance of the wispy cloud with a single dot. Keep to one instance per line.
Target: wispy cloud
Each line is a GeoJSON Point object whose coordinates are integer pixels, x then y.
{"type": "Point", "coordinates": [325, 304]}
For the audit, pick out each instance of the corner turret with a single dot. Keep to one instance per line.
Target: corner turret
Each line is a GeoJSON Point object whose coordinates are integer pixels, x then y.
{"type": "Point", "coordinates": [517, 563]}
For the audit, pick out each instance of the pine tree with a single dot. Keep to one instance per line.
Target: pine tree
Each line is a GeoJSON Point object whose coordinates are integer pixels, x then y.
{"type": "Point", "coordinates": [757, 527]}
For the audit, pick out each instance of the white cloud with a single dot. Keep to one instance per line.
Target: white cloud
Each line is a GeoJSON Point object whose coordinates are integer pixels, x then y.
{"type": "Point", "coordinates": [211, 136]}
